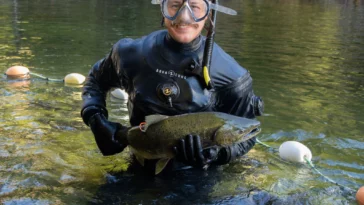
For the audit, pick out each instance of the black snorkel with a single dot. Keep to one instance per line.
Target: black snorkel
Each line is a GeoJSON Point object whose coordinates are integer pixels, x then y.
{"type": "Point", "coordinates": [209, 45]}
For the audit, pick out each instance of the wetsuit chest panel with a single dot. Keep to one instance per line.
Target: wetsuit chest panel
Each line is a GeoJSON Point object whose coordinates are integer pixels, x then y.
{"type": "Point", "coordinates": [159, 84]}
{"type": "Point", "coordinates": [159, 90]}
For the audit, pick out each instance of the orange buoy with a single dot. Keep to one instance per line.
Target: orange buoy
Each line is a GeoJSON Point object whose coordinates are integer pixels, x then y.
{"type": "Point", "coordinates": [360, 196]}
{"type": "Point", "coordinates": [17, 72]}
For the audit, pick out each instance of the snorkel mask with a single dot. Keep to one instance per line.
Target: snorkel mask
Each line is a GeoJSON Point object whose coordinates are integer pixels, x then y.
{"type": "Point", "coordinates": [197, 10]}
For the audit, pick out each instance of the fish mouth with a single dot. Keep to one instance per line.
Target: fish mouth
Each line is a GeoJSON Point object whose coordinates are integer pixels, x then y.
{"type": "Point", "coordinates": [250, 134]}
{"type": "Point", "coordinates": [254, 132]}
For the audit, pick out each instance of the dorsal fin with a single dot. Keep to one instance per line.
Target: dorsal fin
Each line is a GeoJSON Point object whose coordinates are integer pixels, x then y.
{"type": "Point", "coordinates": [152, 119]}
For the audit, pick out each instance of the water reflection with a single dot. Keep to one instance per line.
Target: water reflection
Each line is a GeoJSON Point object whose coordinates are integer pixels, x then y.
{"type": "Point", "coordinates": [306, 58]}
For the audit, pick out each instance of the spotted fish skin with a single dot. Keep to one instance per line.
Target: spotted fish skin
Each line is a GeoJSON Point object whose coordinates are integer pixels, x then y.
{"type": "Point", "coordinates": [214, 128]}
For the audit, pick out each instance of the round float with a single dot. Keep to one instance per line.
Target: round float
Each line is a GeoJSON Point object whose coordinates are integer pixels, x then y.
{"type": "Point", "coordinates": [119, 94]}
{"type": "Point", "coordinates": [74, 79]}
{"type": "Point", "coordinates": [295, 152]}
{"type": "Point", "coordinates": [360, 196]}
{"type": "Point", "coordinates": [17, 72]}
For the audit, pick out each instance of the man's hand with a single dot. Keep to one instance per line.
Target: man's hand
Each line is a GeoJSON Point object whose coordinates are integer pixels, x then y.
{"type": "Point", "coordinates": [110, 136]}
{"type": "Point", "coordinates": [189, 151]}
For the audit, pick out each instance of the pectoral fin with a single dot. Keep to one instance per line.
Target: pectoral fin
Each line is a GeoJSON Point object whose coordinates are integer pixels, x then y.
{"type": "Point", "coordinates": [161, 164]}
{"type": "Point", "coordinates": [140, 160]}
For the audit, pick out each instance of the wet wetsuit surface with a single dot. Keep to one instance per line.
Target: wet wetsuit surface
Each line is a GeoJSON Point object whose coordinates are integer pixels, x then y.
{"type": "Point", "coordinates": [164, 77]}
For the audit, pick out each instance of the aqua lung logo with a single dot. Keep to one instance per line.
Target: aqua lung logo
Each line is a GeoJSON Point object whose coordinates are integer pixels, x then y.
{"type": "Point", "coordinates": [167, 91]}
{"type": "Point", "coordinates": [171, 73]}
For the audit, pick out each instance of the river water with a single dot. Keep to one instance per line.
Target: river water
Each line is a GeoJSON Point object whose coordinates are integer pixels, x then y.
{"type": "Point", "coordinates": [307, 62]}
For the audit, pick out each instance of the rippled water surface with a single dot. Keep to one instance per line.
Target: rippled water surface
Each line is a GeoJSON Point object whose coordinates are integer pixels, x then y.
{"type": "Point", "coordinates": [307, 61]}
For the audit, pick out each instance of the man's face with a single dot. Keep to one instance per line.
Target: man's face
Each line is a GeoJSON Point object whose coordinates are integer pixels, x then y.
{"type": "Point", "coordinates": [184, 29]}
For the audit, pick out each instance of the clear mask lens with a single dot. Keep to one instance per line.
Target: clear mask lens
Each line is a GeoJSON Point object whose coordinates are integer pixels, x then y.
{"type": "Point", "coordinates": [195, 9]}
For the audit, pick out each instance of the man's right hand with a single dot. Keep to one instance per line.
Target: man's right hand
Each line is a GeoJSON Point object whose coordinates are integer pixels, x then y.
{"type": "Point", "coordinates": [110, 136]}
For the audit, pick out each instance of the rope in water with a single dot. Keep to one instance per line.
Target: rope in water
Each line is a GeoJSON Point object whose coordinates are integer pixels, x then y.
{"type": "Point", "coordinates": [265, 145]}
{"type": "Point", "coordinates": [46, 78]}
{"type": "Point", "coordinates": [309, 162]}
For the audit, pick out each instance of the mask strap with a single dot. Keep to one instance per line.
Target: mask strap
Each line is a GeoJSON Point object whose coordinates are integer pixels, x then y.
{"type": "Point", "coordinates": [162, 21]}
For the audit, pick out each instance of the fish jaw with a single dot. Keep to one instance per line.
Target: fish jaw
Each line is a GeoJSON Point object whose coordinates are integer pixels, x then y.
{"type": "Point", "coordinates": [228, 134]}
{"type": "Point", "coordinates": [251, 131]}
{"type": "Point", "coordinates": [254, 132]}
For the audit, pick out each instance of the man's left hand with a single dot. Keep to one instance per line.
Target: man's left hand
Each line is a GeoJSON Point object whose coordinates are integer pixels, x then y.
{"type": "Point", "coordinates": [190, 152]}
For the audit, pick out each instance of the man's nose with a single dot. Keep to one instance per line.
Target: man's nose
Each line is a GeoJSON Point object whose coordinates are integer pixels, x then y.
{"type": "Point", "coordinates": [185, 14]}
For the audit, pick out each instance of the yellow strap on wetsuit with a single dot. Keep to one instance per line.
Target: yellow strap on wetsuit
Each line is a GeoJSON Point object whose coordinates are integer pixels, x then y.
{"type": "Point", "coordinates": [206, 76]}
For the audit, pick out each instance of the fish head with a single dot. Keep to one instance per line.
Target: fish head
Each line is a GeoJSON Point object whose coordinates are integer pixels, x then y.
{"type": "Point", "coordinates": [237, 129]}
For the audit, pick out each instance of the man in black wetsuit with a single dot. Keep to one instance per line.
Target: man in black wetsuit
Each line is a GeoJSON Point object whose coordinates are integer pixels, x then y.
{"type": "Point", "coordinates": [162, 74]}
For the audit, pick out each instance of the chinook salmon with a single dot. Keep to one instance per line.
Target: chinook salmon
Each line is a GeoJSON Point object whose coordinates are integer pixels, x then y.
{"type": "Point", "coordinates": [156, 138]}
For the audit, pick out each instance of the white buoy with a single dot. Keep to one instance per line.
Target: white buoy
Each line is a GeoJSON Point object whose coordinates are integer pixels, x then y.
{"type": "Point", "coordinates": [295, 152]}
{"type": "Point", "coordinates": [74, 78]}
{"type": "Point", "coordinates": [120, 94]}
{"type": "Point", "coordinates": [17, 72]}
